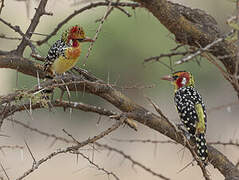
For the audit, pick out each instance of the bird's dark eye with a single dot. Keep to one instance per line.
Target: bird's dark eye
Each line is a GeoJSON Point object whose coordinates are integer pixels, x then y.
{"type": "Point", "coordinates": [175, 77]}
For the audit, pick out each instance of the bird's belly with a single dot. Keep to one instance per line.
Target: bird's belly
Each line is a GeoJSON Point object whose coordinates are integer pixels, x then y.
{"type": "Point", "coordinates": [62, 65]}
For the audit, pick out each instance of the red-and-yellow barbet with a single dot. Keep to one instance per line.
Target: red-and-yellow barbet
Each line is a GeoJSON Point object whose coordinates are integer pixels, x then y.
{"type": "Point", "coordinates": [64, 53]}
{"type": "Point", "coordinates": [191, 109]}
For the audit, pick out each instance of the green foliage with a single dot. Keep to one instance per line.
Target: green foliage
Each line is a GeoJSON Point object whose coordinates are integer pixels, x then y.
{"type": "Point", "coordinates": [35, 98]}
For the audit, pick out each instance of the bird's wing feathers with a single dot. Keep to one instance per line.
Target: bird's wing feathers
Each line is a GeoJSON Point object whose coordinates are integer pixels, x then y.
{"type": "Point", "coordinates": [56, 50]}
{"type": "Point", "coordinates": [191, 109]}
{"type": "Point", "coordinates": [201, 126]}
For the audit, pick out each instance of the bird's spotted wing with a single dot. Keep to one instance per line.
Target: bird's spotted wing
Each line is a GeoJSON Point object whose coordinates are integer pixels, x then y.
{"type": "Point", "coordinates": [56, 50]}
{"type": "Point", "coordinates": [187, 112]}
{"type": "Point", "coordinates": [193, 115]}
{"type": "Point", "coordinates": [191, 108]}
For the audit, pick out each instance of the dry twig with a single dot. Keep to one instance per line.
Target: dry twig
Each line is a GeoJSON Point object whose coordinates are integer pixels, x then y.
{"type": "Point", "coordinates": [70, 149]}
{"type": "Point", "coordinates": [87, 7]}
{"type": "Point", "coordinates": [2, 5]}
{"type": "Point", "coordinates": [98, 167]}
{"type": "Point", "coordinates": [107, 13]}
{"type": "Point", "coordinates": [132, 160]}
{"type": "Point", "coordinates": [203, 49]}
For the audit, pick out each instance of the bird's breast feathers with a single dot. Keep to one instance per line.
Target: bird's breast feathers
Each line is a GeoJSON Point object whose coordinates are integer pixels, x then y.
{"type": "Point", "coordinates": [72, 53]}
{"type": "Point", "coordinates": [65, 62]}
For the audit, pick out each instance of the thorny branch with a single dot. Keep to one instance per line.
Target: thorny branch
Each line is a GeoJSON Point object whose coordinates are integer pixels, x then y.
{"type": "Point", "coordinates": [107, 13]}
{"type": "Point", "coordinates": [76, 142]}
{"type": "Point", "coordinates": [90, 6]}
{"type": "Point", "coordinates": [230, 143]}
{"type": "Point", "coordinates": [169, 55]}
{"type": "Point", "coordinates": [11, 147]}
{"type": "Point", "coordinates": [138, 113]}
{"type": "Point", "coordinates": [40, 11]}
{"type": "Point", "coordinates": [19, 31]}
{"type": "Point", "coordinates": [70, 149]}
{"type": "Point", "coordinates": [195, 28]}
{"type": "Point", "coordinates": [177, 19]}
{"type": "Point", "coordinates": [4, 171]}
{"type": "Point", "coordinates": [203, 49]}
{"type": "Point", "coordinates": [3, 36]}
{"type": "Point", "coordinates": [131, 160]}
{"type": "Point", "coordinates": [199, 162]}
{"type": "Point", "coordinates": [48, 135]}
{"type": "Point", "coordinates": [98, 167]}
{"type": "Point", "coordinates": [2, 5]}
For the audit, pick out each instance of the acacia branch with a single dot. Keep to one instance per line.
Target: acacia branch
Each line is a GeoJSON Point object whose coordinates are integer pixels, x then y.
{"type": "Point", "coordinates": [19, 31]}
{"type": "Point", "coordinates": [40, 11]}
{"type": "Point", "coordinates": [140, 114]}
{"type": "Point", "coordinates": [23, 65]}
{"type": "Point", "coordinates": [175, 18]}
{"type": "Point", "coordinates": [195, 28]}
{"type": "Point", "coordinates": [201, 50]}
{"type": "Point", "coordinates": [87, 7]}
{"type": "Point", "coordinates": [70, 149]}
{"type": "Point", "coordinates": [2, 5]}
{"type": "Point", "coordinates": [132, 160]}
{"type": "Point", "coordinates": [98, 167]}
{"type": "Point", "coordinates": [160, 124]}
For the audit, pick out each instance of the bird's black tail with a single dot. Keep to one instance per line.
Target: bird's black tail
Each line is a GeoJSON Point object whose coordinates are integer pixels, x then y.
{"type": "Point", "coordinates": [202, 147]}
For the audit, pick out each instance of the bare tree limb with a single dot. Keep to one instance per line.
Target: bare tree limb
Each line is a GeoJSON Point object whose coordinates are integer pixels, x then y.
{"type": "Point", "coordinates": [19, 31]}
{"type": "Point", "coordinates": [40, 11]}
{"type": "Point", "coordinates": [98, 167]}
{"type": "Point", "coordinates": [190, 26]}
{"type": "Point", "coordinates": [70, 149]}
{"type": "Point", "coordinates": [48, 135]}
{"type": "Point", "coordinates": [201, 50]}
{"type": "Point", "coordinates": [4, 171]}
{"type": "Point", "coordinates": [11, 147]}
{"type": "Point", "coordinates": [90, 6]}
{"type": "Point", "coordinates": [131, 160]}
{"type": "Point", "coordinates": [230, 143]}
{"type": "Point", "coordinates": [142, 115]}
{"type": "Point", "coordinates": [169, 55]}
{"type": "Point", "coordinates": [21, 64]}
{"type": "Point", "coordinates": [195, 28]}
{"type": "Point", "coordinates": [102, 20]}
{"type": "Point", "coordinates": [2, 6]}
{"type": "Point", "coordinates": [3, 36]}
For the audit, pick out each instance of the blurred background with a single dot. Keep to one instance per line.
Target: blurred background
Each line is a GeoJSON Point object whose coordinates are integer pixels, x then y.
{"type": "Point", "coordinates": [117, 56]}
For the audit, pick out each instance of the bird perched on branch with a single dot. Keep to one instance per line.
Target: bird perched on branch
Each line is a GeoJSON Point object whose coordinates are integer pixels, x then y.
{"type": "Point", "coordinates": [191, 109]}
{"type": "Point", "coordinates": [64, 53]}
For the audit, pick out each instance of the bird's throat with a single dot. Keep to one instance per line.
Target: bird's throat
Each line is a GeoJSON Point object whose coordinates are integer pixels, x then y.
{"type": "Point", "coordinates": [75, 43]}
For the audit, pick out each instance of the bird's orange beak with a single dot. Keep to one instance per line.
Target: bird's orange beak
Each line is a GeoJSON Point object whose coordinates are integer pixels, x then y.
{"type": "Point", "coordinates": [167, 78]}
{"type": "Point", "coordinates": [86, 39]}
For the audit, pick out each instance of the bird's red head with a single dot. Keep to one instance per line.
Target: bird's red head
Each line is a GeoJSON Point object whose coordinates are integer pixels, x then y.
{"type": "Point", "coordinates": [75, 34]}
{"type": "Point", "coordinates": [180, 79]}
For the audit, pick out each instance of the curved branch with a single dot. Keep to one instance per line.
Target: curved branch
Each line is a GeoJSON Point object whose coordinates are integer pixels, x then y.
{"type": "Point", "coordinates": [193, 27]}
{"type": "Point", "coordinates": [186, 31]}
{"type": "Point", "coordinates": [40, 11]}
{"type": "Point", "coordinates": [90, 6]}
{"type": "Point", "coordinates": [21, 64]}
{"type": "Point", "coordinates": [71, 149]}
{"type": "Point", "coordinates": [140, 114]}
{"type": "Point", "coordinates": [160, 124]}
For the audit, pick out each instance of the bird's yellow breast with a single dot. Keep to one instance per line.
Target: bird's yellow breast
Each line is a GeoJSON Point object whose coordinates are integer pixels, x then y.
{"type": "Point", "coordinates": [62, 65]}
{"type": "Point", "coordinates": [65, 63]}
